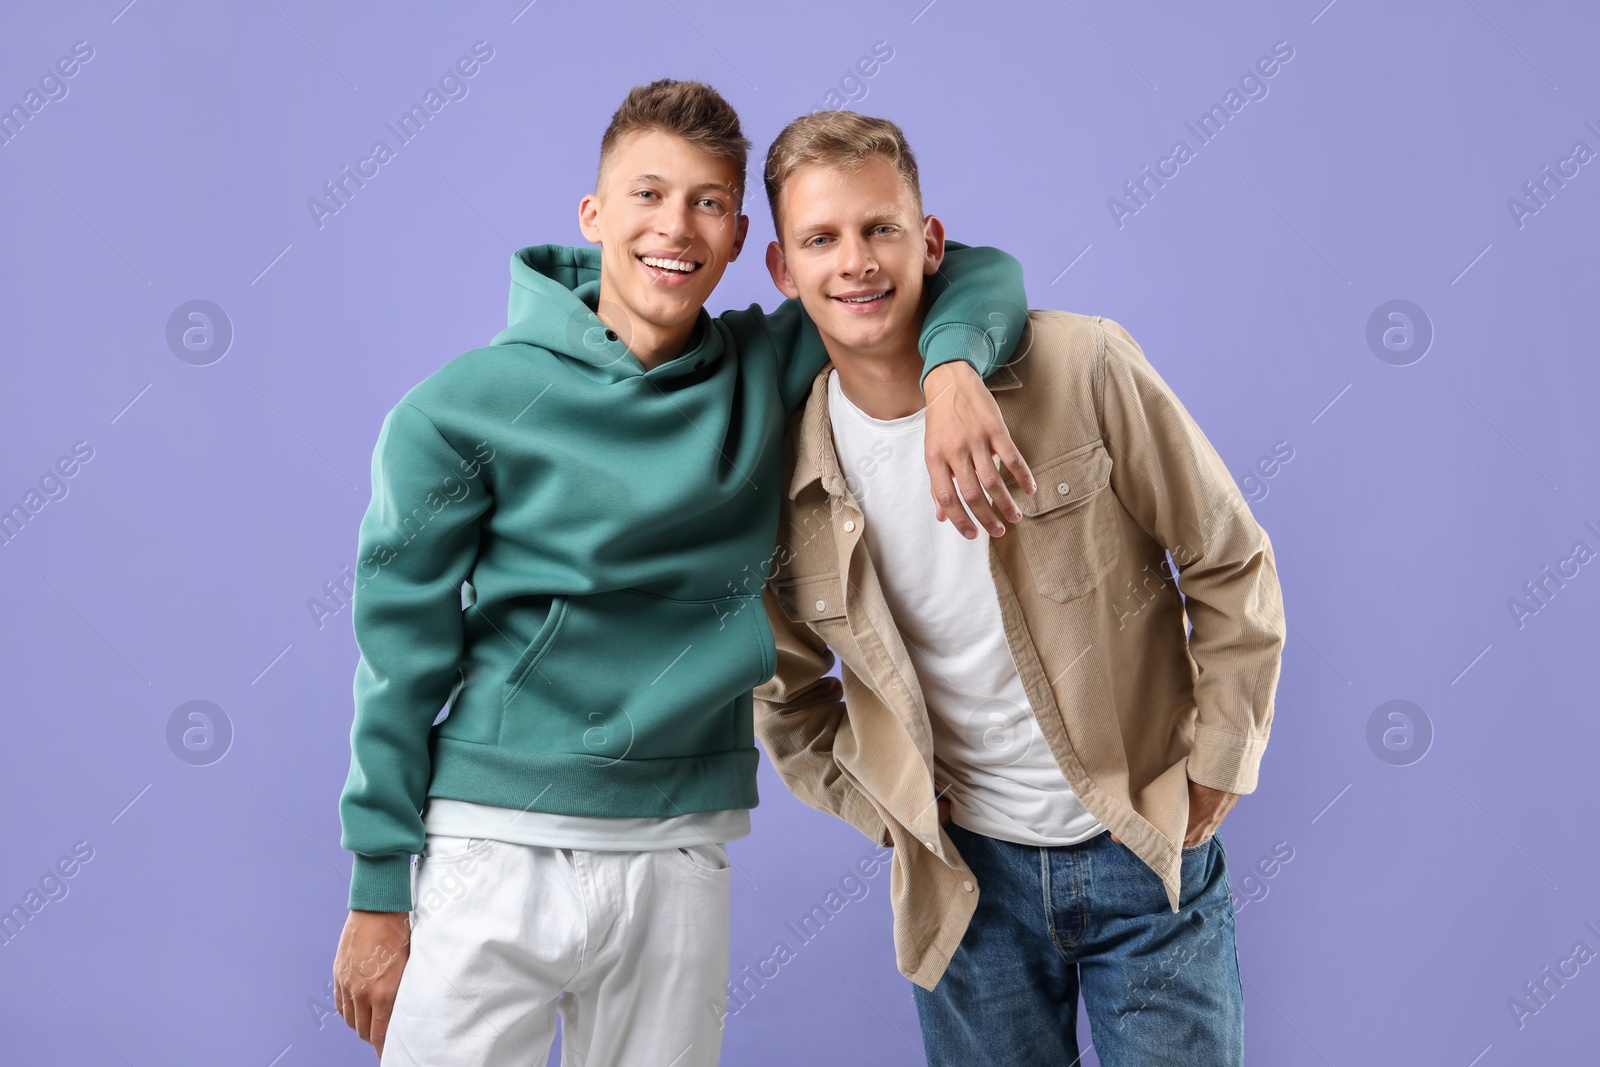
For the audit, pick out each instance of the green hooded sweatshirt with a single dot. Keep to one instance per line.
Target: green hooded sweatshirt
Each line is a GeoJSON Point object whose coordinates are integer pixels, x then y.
{"type": "Point", "coordinates": [566, 552]}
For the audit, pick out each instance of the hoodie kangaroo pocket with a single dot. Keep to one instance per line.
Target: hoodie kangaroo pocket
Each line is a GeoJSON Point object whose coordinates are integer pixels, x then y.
{"type": "Point", "coordinates": [629, 675]}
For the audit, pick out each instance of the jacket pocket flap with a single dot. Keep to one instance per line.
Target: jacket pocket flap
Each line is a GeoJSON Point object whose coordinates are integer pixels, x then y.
{"type": "Point", "coordinates": [1067, 479]}
{"type": "Point", "coordinates": [810, 599]}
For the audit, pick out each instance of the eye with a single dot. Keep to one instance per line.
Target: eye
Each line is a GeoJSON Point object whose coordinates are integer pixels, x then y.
{"type": "Point", "coordinates": [712, 204]}
{"type": "Point", "coordinates": [647, 193]}
{"type": "Point", "coordinates": [883, 229]}
{"type": "Point", "coordinates": [812, 242]}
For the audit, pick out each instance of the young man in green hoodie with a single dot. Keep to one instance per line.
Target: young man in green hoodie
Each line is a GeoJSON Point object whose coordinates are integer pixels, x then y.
{"type": "Point", "coordinates": [568, 538]}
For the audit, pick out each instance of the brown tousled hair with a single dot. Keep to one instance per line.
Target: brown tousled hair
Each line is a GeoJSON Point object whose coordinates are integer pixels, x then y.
{"type": "Point", "coordinates": [842, 139]}
{"type": "Point", "coordinates": [690, 109]}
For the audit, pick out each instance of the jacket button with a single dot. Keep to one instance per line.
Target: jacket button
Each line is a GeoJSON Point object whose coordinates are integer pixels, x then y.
{"type": "Point", "coordinates": [930, 846]}
{"type": "Point", "coordinates": [967, 886]}
{"type": "Point", "coordinates": [849, 525]}
{"type": "Point", "coordinates": [1063, 488]}
{"type": "Point", "coordinates": [822, 605]}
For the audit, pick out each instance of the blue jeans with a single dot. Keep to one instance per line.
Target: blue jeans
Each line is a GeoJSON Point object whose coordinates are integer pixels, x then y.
{"type": "Point", "coordinates": [1159, 987]}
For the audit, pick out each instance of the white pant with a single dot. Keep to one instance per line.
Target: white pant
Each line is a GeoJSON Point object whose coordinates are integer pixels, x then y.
{"type": "Point", "coordinates": [630, 947]}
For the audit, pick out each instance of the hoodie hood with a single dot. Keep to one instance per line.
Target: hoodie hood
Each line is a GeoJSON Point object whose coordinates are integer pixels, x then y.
{"type": "Point", "coordinates": [554, 292]}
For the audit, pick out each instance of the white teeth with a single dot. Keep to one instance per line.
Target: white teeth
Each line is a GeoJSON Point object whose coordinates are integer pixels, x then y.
{"type": "Point", "coordinates": [862, 299]}
{"type": "Point", "coordinates": [681, 266]}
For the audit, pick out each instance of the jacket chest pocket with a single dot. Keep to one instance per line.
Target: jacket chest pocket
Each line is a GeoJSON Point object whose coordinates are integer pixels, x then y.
{"type": "Point", "coordinates": [818, 599]}
{"type": "Point", "coordinates": [1069, 527]}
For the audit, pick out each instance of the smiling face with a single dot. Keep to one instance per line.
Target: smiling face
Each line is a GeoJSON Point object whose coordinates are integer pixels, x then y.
{"type": "Point", "coordinates": [854, 251]}
{"type": "Point", "coordinates": [666, 216]}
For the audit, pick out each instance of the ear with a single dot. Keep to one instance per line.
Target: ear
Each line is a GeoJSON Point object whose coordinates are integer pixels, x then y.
{"type": "Point", "coordinates": [589, 218]}
{"type": "Point", "coordinates": [780, 272]}
{"type": "Point", "coordinates": [739, 235]}
{"type": "Point", "coordinates": [933, 244]}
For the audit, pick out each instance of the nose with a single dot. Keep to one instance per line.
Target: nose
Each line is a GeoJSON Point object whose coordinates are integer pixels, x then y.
{"type": "Point", "coordinates": [674, 221]}
{"type": "Point", "coordinates": [855, 257]}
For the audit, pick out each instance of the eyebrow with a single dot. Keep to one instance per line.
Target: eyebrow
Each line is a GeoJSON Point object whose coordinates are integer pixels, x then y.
{"type": "Point", "coordinates": [723, 186]}
{"type": "Point", "coordinates": [887, 217]}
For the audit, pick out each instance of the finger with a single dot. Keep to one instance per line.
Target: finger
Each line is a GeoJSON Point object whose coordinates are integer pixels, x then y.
{"type": "Point", "coordinates": [1117, 839]}
{"type": "Point", "coordinates": [998, 492]}
{"type": "Point", "coordinates": [944, 494]}
{"type": "Point", "coordinates": [1012, 460]}
{"type": "Point", "coordinates": [363, 1018]}
{"type": "Point", "coordinates": [977, 503]}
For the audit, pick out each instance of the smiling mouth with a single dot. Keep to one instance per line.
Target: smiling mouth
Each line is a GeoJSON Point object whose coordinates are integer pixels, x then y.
{"type": "Point", "coordinates": [670, 266]}
{"type": "Point", "coordinates": [865, 301]}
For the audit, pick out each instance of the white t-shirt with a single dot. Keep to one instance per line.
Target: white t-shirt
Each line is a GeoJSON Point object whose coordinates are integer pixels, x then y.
{"type": "Point", "coordinates": [1004, 782]}
{"type": "Point", "coordinates": [461, 818]}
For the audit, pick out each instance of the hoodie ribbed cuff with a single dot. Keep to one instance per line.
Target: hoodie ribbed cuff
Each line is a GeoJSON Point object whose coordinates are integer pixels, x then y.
{"type": "Point", "coordinates": [380, 883]}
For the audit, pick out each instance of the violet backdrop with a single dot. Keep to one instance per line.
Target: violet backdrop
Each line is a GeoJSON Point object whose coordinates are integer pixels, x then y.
{"type": "Point", "coordinates": [1440, 461]}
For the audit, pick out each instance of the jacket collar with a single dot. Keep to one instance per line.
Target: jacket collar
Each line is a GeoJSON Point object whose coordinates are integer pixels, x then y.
{"type": "Point", "coordinates": [814, 457]}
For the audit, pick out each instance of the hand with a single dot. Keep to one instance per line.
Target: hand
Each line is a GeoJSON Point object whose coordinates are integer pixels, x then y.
{"type": "Point", "coordinates": [1207, 808]}
{"type": "Point", "coordinates": [965, 431]}
{"type": "Point", "coordinates": [372, 954]}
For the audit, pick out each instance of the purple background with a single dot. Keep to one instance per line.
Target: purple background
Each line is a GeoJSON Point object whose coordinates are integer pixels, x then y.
{"type": "Point", "coordinates": [220, 498]}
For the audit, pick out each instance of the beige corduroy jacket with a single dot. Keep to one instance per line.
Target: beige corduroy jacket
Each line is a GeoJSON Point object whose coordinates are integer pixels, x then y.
{"type": "Point", "coordinates": [1131, 704]}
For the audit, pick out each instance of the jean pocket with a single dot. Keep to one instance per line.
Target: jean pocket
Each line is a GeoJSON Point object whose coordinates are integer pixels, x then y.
{"type": "Point", "coordinates": [708, 858]}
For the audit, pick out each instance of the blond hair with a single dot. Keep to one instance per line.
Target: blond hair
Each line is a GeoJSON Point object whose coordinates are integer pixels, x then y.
{"type": "Point", "coordinates": [691, 110]}
{"type": "Point", "coordinates": [842, 139]}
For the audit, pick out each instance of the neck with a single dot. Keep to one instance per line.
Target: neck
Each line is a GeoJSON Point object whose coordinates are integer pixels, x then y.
{"type": "Point", "coordinates": [651, 344]}
{"type": "Point", "coordinates": [883, 381]}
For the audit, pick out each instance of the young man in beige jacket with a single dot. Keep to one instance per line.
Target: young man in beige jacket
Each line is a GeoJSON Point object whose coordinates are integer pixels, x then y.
{"type": "Point", "coordinates": [1025, 719]}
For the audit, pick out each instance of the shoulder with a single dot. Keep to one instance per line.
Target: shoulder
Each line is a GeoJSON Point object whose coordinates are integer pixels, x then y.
{"type": "Point", "coordinates": [477, 392]}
